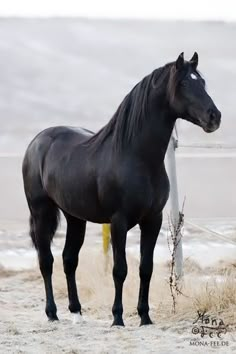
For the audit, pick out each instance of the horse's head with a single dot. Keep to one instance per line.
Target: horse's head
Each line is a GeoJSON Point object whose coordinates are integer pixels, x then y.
{"type": "Point", "coordinates": [188, 95]}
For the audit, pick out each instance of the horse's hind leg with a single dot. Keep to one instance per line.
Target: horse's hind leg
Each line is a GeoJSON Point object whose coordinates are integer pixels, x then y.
{"type": "Point", "coordinates": [74, 241]}
{"type": "Point", "coordinates": [43, 224]}
{"type": "Point", "coordinates": [118, 236]}
{"type": "Point", "coordinates": [149, 233]}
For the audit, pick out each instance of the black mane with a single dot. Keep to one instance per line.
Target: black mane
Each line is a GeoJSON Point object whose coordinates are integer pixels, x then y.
{"type": "Point", "coordinates": [132, 112]}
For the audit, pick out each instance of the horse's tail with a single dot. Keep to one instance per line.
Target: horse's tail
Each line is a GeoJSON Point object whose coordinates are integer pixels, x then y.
{"type": "Point", "coordinates": [44, 213]}
{"type": "Point", "coordinates": [48, 221]}
{"type": "Point", "coordinates": [31, 231]}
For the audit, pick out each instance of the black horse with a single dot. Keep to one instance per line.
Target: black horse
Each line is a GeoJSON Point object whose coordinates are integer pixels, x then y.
{"type": "Point", "coordinates": [115, 176]}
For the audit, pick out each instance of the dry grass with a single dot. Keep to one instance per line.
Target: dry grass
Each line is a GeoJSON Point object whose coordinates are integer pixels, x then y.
{"type": "Point", "coordinates": [192, 267]}
{"type": "Point", "coordinates": [218, 298]}
{"type": "Point", "coordinates": [96, 288]}
{"type": "Point", "coordinates": [223, 268]}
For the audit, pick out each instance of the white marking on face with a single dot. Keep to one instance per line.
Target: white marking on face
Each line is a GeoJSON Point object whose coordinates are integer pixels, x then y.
{"type": "Point", "coordinates": [193, 76]}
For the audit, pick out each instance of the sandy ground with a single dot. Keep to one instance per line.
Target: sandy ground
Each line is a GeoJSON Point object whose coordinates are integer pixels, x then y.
{"type": "Point", "coordinates": [24, 329]}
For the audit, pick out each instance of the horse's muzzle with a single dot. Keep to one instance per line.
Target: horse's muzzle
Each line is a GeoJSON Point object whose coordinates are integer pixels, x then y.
{"type": "Point", "coordinates": [214, 120]}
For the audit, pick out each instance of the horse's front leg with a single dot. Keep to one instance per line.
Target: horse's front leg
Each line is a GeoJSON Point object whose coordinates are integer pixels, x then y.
{"type": "Point", "coordinates": [149, 233]}
{"type": "Point", "coordinates": [74, 241]}
{"type": "Point", "coordinates": [118, 237]}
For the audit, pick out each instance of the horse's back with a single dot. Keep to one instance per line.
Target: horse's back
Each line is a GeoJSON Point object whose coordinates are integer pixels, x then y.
{"type": "Point", "coordinates": [64, 133]}
{"type": "Point", "coordinates": [41, 144]}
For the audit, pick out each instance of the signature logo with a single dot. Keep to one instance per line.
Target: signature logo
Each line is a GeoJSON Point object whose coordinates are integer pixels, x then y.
{"type": "Point", "coordinates": [207, 325]}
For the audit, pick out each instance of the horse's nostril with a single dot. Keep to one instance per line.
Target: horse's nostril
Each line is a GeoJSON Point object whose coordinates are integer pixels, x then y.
{"type": "Point", "coordinates": [214, 117]}
{"type": "Point", "coordinates": [211, 113]}
{"type": "Point", "coordinates": [214, 114]}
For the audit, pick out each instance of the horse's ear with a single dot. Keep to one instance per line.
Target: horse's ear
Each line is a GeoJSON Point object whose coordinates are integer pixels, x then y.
{"type": "Point", "coordinates": [180, 61]}
{"type": "Point", "coordinates": [194, 61]}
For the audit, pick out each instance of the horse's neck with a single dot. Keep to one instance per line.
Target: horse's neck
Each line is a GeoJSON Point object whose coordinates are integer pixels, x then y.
{"type": "Point", "coordinates": [156, 133]}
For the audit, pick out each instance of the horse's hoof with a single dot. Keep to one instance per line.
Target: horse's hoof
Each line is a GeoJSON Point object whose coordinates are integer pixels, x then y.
{"type": "Point", "coordinates": [118, 322]}
{"type": "Point", "coordinates": [145, 320]}
{"type": "Point", "coordinates": [53, 318]}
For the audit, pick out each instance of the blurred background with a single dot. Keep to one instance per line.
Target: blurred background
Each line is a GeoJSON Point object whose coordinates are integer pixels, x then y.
{"type": "Point", "coordinates": [59, 61]}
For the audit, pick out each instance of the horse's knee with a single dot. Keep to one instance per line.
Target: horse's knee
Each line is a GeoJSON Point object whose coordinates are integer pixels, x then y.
{"type": "Point", "coordinates": [145, 270]}
{"type": "Point", "coordinates": [120, 270]}
{"type": "Point", "coordinates": [46, 263]}
{"type": "Point", "coordinates": [70, 263]}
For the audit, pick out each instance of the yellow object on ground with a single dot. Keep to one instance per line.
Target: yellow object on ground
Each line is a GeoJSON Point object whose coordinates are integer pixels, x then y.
{"type": "Point", "coordinates": [106, 232]}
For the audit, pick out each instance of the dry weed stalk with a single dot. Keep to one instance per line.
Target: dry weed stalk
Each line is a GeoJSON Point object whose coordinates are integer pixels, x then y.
{"type": "Point", "coordinates": [175, 230]}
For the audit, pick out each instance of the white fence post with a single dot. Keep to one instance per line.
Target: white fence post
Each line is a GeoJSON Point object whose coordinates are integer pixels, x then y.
{"type": "Point", "coordinates": [174, 203]}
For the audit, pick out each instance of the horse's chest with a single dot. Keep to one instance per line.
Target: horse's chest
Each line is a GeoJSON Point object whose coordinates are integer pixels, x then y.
{"type": "Point", "coordinates": [152, 194]}
{"type": "Point", "coordinates": [136, 194]}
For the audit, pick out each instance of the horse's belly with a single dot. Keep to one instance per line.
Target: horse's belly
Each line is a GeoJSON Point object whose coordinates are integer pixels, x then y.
{"type": "Point", "coordinates": [86, 211]}
{"type": "Point", "coordinates": [78, 199]}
